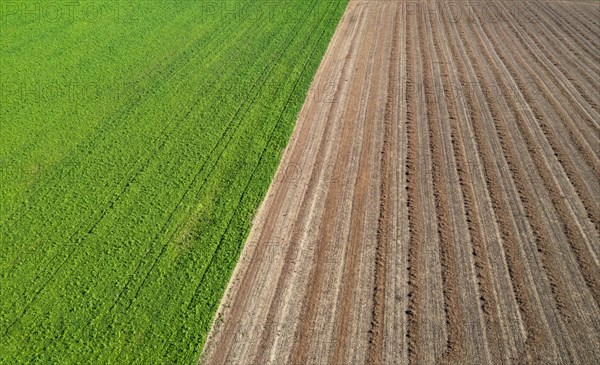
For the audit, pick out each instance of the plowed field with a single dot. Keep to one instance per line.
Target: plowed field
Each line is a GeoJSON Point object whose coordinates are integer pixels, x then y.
{"type": "Point", "coordinates": [439, 200]}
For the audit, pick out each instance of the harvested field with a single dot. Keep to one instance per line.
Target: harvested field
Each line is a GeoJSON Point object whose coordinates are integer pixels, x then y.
{"type": "Point", "coordinates": [439, 200]}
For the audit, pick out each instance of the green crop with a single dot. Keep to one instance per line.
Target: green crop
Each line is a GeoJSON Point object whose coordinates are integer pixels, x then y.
{"type": "Point", "coordinates": [137, 140]}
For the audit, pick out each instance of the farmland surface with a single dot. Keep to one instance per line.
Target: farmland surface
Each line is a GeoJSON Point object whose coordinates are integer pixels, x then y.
{"type": "Point", "coordinates": [137, 139]}
{"type": "Point", "coordinates": [440, 204]}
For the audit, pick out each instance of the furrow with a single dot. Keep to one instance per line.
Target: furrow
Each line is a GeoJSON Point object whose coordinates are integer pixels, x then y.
{"type": "Point", "coordinates": [376, 353]}
{"type": "Point", "coordinates": [452, 308]}
{"type": "Point", "coordinates": [562, 85]}
{"type": "Point", "coordinates": [486, 298]}
{"type": "Point", "coordinates": [537, 338]}
{"type": "Point", "coordinates": [327, 227]}
{"type": "Point", "coordinates": [582, 75]}
{"type": "Point", "coordinates": [564, 156]}
{"type": "Point", "coordinates": [413, 184]}
{"type": "Point", "coordinates": [584, 18]}
{"type": "Point", "coordinates": [351, 297]}
{"type": "Point", "coordinates": [574, 58]}
{"type": "Point", "coordinates": [316, 111]}
{"type": "Point", "coordinates": [576, 47]}
{"type": "Point", "coordinates": [585, 43]}
{"type": "Point", "coordinates": [571, 229]}
{"type": "Point", "coordinates": [528, 200]}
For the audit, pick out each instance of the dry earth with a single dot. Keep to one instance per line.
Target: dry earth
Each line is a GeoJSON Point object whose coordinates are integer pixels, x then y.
{"type": "Point", "coordinates": [439, 201]}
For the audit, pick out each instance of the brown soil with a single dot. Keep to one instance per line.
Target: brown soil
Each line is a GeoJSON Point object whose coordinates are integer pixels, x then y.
{"type": "Point", "coordinates": [439, 201]}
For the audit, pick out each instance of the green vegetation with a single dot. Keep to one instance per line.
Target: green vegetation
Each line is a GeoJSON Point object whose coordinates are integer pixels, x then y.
{"type": "Point", "coordinates": [136, 141]}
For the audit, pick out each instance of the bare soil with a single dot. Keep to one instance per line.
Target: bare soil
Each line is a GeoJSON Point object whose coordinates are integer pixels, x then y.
{"type": "Point", "coordinates": [439, 201]}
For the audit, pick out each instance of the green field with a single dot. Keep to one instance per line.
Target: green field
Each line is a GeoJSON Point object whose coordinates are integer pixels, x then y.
{"type": "Point", "coordinates": [136, 141]}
